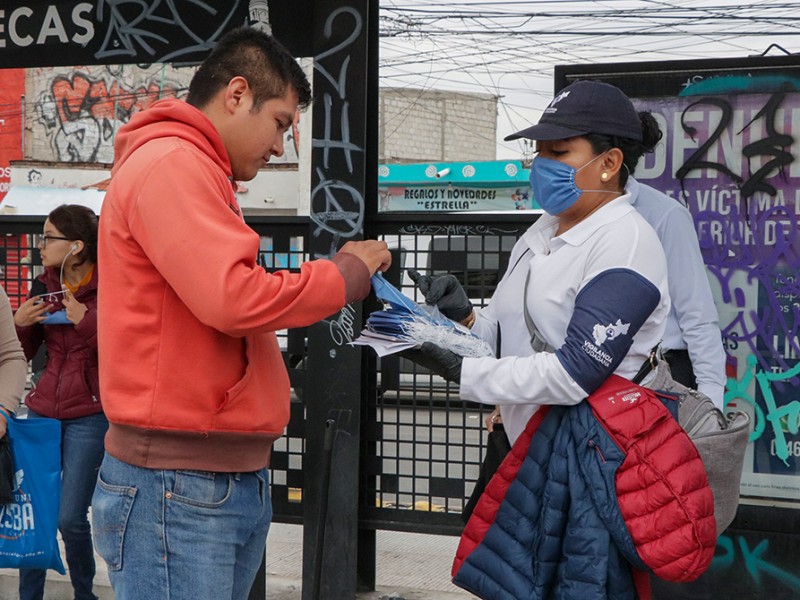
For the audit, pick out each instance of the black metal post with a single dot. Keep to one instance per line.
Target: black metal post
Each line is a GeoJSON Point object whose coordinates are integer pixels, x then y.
{"type": "Point", "coordinates": [334, 391]}
{"type": "Point", "coordinates": [322, 516]}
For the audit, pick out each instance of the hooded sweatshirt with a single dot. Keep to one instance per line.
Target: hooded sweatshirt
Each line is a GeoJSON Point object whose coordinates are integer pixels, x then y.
{"type": "Point", "coordinates": [191, 374]}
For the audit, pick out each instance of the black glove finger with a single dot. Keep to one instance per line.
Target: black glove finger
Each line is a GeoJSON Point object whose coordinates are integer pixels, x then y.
{"type": "Point", "coordinates": [452, 298]}
{"type": "Point", "coordinates": [423, 282]}
{"type": "Point", "coordinates": [411, 354]}
{"type": "Point", "coordinates": [418, 357]}
{"type": "Point", "coordinates": [436, 359]}
{"type": "Point", "coordinates": [441, 287]}
{"type": "Point", "coordinates": [453, 286]}
{"type": "Point", "coordinates": [444, 363]}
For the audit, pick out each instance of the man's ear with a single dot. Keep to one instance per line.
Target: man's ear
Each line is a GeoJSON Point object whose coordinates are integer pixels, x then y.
{"type": "Point", "coordinates": [236, 94]}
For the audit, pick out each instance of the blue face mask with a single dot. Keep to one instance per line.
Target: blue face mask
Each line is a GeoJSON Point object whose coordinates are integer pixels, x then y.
{"type": "Point", "coordinates": [553, 184]}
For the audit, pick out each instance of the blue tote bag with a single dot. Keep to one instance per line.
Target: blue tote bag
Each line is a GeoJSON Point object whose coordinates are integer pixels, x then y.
{"type": "Point", "coordinates": [29, 524]}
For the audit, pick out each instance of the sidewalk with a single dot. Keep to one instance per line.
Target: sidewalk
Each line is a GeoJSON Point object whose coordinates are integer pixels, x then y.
{"type": "Point", "coordinates": [410, 566]}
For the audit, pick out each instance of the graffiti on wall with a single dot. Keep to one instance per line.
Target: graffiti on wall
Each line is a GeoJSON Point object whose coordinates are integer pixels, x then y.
{"type": "Point", "coordinates": [763, 569]}
{"type": "Point", "coordinates": [41, 32]}
{"type": "Point", "coordinates": [732, 159]}
{"type": "Point", "coordinates": [337, 207]}
{"type": "Point", "coordinates": [337, 203]}
{"type": "Point", "coordinates": [80, 32]}
{"type": "Point", "coordinates": [79, 111]}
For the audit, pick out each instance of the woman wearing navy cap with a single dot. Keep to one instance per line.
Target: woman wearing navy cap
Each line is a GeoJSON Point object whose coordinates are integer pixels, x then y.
{"type": "Point", "coordinates": [592, 260]}
{"type": "Point", "coordinates": [585, 296]}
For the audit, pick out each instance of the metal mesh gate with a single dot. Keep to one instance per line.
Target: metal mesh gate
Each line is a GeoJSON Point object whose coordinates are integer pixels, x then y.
{"type": "Point", "coordinates": [421, 444]}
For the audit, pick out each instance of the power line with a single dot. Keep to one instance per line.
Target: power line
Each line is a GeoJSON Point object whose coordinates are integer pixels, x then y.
{"type": "Point", "coordinates": [509, 48]}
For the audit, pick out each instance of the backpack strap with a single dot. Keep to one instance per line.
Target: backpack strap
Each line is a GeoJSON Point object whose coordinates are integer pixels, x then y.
{"type": "Point", "coordinates": [650, 363]}
{"type": "Point", "coordinates": [538, 343]}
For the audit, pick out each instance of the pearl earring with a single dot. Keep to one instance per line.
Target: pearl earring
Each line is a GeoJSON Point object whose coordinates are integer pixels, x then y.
{"type": "Point", "coordinates": [604, 176]}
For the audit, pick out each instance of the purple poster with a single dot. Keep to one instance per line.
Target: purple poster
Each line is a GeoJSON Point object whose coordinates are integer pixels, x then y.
{"type": "Point", "coordinates": [734, 160]}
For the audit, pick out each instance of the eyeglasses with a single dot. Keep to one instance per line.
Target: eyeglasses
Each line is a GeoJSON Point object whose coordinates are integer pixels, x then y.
{"type": "Point", "coordinates": [46, 238]}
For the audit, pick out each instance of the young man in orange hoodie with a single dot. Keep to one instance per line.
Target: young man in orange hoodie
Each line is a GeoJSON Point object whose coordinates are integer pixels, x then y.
{"type": "Point", "coordinates": [192, 378]}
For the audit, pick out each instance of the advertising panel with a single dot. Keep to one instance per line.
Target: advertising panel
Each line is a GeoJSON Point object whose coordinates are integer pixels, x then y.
{"type": "Point", "coordinates": [76, 32]}
{"type": "Point", "coordinates": [453, 187]}
{"type": "Point", "coordinates": [730, 153]}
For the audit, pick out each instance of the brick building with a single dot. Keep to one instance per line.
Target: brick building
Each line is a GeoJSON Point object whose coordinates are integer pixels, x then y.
{"type": "Point", "coordinates": [435, 125]}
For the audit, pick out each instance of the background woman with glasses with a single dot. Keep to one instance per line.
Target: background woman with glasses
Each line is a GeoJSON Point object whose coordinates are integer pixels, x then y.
{"type": "Point", "coordinates": [61, 313]}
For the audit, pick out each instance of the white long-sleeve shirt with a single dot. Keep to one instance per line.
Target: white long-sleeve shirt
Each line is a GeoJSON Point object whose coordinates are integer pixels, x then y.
{"type": "Point", "coordinates": [693, 322]}
{"type": "Point", "coordinates": [598, 293]}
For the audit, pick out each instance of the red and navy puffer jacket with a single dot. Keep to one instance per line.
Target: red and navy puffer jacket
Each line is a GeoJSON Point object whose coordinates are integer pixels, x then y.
{"type": "Point", "coordinates": [590, 498]}
{"type": "Point", "coordinates": [69, 386]}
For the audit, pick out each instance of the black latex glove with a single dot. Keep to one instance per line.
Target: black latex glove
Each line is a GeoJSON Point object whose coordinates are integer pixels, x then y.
{"type": "Point", "coordinates": [445, 292]}
{"type": "Point", "coordinates": [444, 363]}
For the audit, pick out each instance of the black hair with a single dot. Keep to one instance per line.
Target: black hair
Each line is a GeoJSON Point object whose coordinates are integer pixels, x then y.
{"type": "Point", "coordinates": [75, 223]}
{"type": "Point", "coordinates": [632, 150]}
{"type": "Point", "coordinates": [267, 66]}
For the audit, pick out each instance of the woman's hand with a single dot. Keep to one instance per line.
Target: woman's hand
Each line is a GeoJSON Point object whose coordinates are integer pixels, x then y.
{"type": "Point", "coordinates": [441, 361]}
{"type": "Point", "coordinates": [30, 312]}
{"type": "Point", "coordinates": [75, 310]}
{"type": "Point", "coordinates": [446, 293]}
{"type": "Point", "coordinates": [493, 419]}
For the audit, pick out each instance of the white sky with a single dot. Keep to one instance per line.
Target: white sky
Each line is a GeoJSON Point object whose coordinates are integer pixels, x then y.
{"type": "Point", "coordinates": [509, 48]}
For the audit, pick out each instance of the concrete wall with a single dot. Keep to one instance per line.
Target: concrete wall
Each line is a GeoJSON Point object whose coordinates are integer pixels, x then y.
{"type": "Point", "coordinates": [429, 125]}
{"type": "Point", "coordinates": [73, 113]}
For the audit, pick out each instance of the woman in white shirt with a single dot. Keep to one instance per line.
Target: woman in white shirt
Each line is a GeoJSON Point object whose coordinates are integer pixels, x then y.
{"type": "Point", "coordinates": [591, 273]}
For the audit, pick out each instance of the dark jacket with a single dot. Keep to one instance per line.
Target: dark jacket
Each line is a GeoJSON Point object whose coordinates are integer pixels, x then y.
{"type": "Point", "coordinates": [590, 497]}
{"type": "Point", "coordinates": [69, 386]}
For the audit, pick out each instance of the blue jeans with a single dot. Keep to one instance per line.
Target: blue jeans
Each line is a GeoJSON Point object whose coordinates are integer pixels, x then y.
{"type": "Point", "coordinates": [81, 455]}
{"type": "Point", "coordinates": [182, 535]}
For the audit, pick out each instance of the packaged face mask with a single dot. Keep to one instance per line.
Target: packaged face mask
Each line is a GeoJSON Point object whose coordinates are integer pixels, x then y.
{"type": "Point", "coordinates": [58, 317]}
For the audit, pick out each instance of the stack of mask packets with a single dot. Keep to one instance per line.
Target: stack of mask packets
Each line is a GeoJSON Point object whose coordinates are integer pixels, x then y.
{"type": "Point", "coordinates": [404, 324]}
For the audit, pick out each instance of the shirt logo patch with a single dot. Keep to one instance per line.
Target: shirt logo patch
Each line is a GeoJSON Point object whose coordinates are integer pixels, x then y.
{"type": "Point", "coordinates": [603, 333]}
{"type": "Point", "coordinates": [593, 351]}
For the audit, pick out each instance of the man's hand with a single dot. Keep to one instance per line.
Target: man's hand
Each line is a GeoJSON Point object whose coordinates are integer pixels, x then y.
{"type": "Point", "coordinates": [444, 363]}
{"type": "Point", "coordinates": [445, 292]}
{"type": "Point", "coordinates": [30, 312]}
{"type": "Point", "coordinates": [374, 253]}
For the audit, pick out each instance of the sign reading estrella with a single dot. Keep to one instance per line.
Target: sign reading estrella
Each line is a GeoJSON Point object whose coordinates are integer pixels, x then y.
{"type": "Point", "coordinates": [70, 32]}
{"type": "Point", "coordinates": [445, 187]}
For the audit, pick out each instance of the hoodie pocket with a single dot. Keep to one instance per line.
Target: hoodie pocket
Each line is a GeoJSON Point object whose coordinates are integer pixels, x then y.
{"type": "Point", "coordinates": [233, 393]}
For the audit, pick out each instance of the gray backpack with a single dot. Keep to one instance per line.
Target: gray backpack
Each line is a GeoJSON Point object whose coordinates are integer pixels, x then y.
{"type": "Point", "coordinates": [721, 441]}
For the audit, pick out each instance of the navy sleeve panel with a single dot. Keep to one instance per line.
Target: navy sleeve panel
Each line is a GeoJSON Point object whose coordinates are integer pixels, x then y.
{"type": "Point", "coordinates": [608, 312]}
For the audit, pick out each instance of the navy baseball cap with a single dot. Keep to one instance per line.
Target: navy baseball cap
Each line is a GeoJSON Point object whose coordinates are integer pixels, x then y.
{"type": "Point", "coordinates": [586, 107]}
